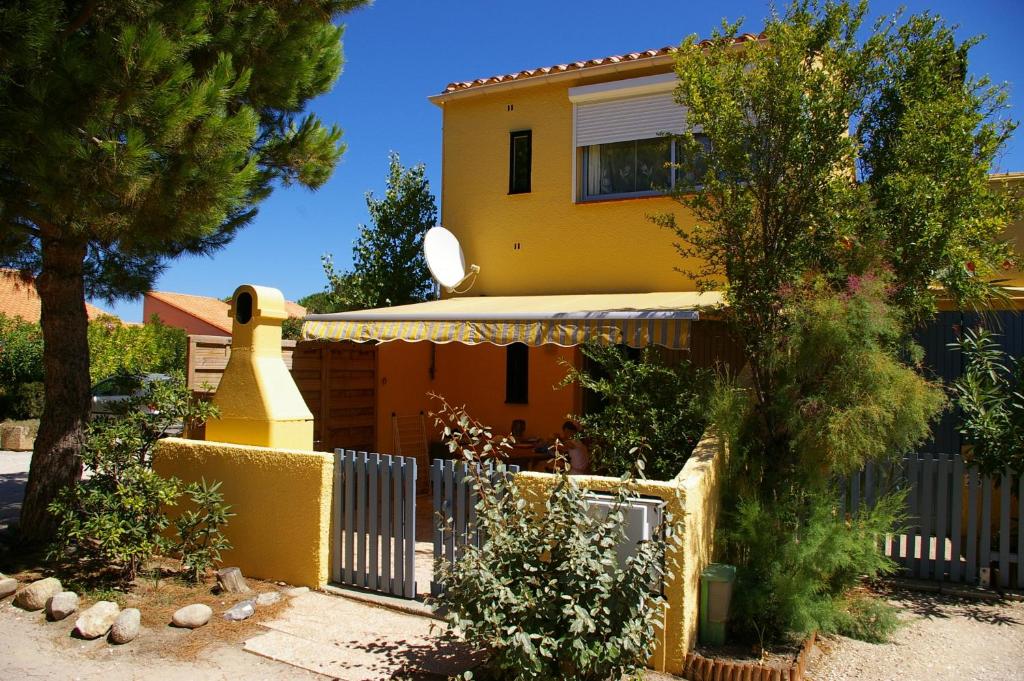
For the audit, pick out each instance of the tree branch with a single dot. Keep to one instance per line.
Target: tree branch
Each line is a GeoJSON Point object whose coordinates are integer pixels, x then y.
{"type": "Point", "coordinates": [87, 11]}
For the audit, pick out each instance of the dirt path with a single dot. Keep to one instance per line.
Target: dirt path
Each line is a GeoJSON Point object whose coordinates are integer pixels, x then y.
{"type": "Point", "coordinates": [944, 638]}
{"type": "Point", "coordinates": [36, 649]}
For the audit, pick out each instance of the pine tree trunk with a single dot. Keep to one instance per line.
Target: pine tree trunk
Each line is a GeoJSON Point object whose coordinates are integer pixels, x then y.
{"type": "Point", "coordinates": [56, 460]}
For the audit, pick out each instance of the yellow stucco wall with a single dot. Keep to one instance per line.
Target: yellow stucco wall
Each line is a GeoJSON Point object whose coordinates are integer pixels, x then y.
{"type": "Point", "coordinates": [473, 375]}
{"type": "Point", "coordinates": [692, 500]}
{"type": "Point", "coordinates": [281, 500]}
{"type": "Point", "coordinates": [566, 247]}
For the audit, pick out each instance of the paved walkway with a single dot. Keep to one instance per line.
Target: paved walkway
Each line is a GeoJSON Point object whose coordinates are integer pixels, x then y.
{"type": "Point", "coordinates": [13, 478]}
{"type": "Point", "coordinates": [343, 639]}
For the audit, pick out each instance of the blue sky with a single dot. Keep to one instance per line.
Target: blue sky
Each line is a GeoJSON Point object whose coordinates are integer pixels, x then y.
{"type": "Point", "coordinates": [399, 52]}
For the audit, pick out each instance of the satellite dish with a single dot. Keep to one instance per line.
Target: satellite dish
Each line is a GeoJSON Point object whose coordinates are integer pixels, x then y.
{"type": "Point", "coordinates": [445, 260]}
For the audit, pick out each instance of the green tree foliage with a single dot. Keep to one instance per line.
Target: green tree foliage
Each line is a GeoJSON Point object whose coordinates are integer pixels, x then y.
{"type": "Point", "coordinates": [21, 352]}
{"type": "Point", "coordinates": [388, 267]}
{"type": "Point", "coordinates": [118, 348]}
{"type": "Point", "coordinates": [135, 132]}
{"type": "Point", "coordinates": [114, 521]}
{"type": "Point", "coordinates": [545, 596]}
{"type": "Point", "coordinates": [988, 394]}
{"type": "Point", "coordinates": [646, 409]}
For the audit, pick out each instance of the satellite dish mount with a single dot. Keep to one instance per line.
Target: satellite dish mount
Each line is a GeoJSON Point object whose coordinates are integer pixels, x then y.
{"type": "Point", "coordinates": [446, 262]}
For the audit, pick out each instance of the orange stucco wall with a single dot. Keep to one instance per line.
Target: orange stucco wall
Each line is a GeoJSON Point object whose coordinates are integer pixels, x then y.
{"type": "Point", "coordinates": [473, 375]}
{"type": "Point", "coordinates": [172, 316]}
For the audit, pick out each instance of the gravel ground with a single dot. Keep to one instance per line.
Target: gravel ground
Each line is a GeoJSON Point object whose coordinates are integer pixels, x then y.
{"type": "Point", "coordinates": [943, 637]}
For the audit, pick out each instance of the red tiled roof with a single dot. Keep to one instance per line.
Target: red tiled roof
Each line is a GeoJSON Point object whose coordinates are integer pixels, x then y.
{"type": "Point", "coordinates": [19, 298]}
{"type": "Point", "coordinates": [212, 310]}
{"type": "Point", "coordinates": [577, 65]}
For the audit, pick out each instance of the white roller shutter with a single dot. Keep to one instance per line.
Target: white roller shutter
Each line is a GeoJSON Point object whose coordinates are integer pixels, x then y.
{"type": "Point", "coordinates": [630, 118]}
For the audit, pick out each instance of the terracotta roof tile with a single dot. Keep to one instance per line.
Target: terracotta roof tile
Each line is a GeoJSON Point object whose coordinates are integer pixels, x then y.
{"type": "Point", "coordinates": [19, 298]}
{"type": "Point", "coordinates": [213, 311]}
{"type": "Point", "coordinates": [577, 65]}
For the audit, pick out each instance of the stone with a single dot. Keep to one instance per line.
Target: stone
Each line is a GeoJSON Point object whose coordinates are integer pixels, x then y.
{"type": "Point", "coordinates": [8, 585]}
{"type": "Point", "coordinates": [294, 591]}
{"type": "Point", "coordinates": [230, 580]}
{"type": "Point", "coordinates": [126, 626]}
{"type": "Point", "coordinates": [35, 595]}
{"type": "Point", "coordinates": [61, 605]}
{"type": "Point", "coordinates": [96, 620]}
{"type": "Point", "coordinates": [268, 598]}
{"type": "Point", "coordinates": [242, 610]}
{"type": "Point", "coordinates": [192, 616]}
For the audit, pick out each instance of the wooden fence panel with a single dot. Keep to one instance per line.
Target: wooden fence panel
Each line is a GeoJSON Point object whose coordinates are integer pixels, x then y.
{"type": "Point", "coordinates": [959, 521]}
{"type": "Point", "coordinates": [374, 545]}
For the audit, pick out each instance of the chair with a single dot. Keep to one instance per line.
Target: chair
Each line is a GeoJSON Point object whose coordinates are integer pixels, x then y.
{"type": "Point", "coordinates": [410, 436]}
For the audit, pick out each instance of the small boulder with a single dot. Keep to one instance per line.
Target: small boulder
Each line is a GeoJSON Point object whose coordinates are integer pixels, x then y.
{"type": "Point", "coordinates": [126, 626]}
{"type": "Point", "coordinates": [242, 610]}
{"type": "Point", "coordinates": [8, 585]}
{"type": "Point", "coordinates": [61, 605]}
{"type": "Point", "coordinates": [35, 595]}
{"type": "Point", "coordinates": [230, 580]}
{"type": "Point", "coordinates": [294, 591]}
{"type": "Point", "coordinates": [192, 616]}
{"type": "Point", "coordinates": [268, 598]}
{"type": "Point", "coordinates": [95, 621]}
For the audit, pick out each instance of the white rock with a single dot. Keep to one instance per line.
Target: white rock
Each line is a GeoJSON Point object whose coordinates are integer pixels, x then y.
{"type": "Point", "coordinates": [35, 595]}
{"type": "Point", "coordinates": [126, 626]}
{"type": "Point", "coordinates": [268, 598]}
{"type": "Point", "coordinates": [192, 616]}
{"type": "Point", "coordinates": [294, 591]}
{"type": "Point", "coordinates": [8, 585]}
{"type": "Point", "coordinates": [242, 610]}
{"type": "Point", "coordinates": [61, 605]}
{"type": "Point", "coordinates": [96, 620]}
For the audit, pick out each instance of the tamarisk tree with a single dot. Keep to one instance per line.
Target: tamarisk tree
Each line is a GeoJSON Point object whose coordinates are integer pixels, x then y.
{"type": "Point", "coordinates": [132, 133]}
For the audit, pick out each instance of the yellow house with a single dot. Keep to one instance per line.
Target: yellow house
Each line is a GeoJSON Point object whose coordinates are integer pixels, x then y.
{"type": "Point", "coordinates": [549, 179]}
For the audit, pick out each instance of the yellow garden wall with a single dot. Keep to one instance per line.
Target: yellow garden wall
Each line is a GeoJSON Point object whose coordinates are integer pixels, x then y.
{"type": "Point", "coordinates": [692, 500]}
{"type": "Point", "coordinates": [281, 499]}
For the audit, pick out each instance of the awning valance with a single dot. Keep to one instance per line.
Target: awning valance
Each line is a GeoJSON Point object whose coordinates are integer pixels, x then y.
{"type": "Point", "coordinates": [636, 320]}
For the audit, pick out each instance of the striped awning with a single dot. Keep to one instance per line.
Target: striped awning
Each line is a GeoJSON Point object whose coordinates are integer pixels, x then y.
{"type": "Point", "coordinates": [636, 320]}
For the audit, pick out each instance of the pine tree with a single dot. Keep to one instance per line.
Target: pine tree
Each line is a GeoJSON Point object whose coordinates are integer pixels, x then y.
{"type": "Point", "coordinates": [388, 267]}
{"type": "Point", "coordinates": [132, 133]}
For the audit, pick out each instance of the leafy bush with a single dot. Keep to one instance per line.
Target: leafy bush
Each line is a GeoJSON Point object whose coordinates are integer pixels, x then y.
{"type": "Point", "coordinates": [116, 348]}
{"type": "Point", "coordinates": [991, 406]}
{"type": "Point", "coordinates": [114, 520]}
{"type": "Point", "coordinates": [23, 401]}
{"type": "Point", "coordinates": [645, 406]}
{"type": "Point", "coordinates": [544, 595]}
{"type": "Point", "coordinates": [21, 351]}
{"type": "Point", "coordinates": [200, 539]}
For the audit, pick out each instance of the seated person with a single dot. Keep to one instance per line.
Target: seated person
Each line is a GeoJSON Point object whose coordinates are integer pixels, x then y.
{"type": "Point", "coordinates": [576, 452]}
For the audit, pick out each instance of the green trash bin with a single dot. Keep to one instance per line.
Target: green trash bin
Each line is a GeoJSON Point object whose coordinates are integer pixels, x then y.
{"type": "Point", "coordinates": [716, 584]}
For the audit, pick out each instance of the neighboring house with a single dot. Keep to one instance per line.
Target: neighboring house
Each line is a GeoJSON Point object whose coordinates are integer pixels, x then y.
{"type": "Point", "coordinates": [200, 315]}
{"type": "Point", "coordinates": [19, 298]}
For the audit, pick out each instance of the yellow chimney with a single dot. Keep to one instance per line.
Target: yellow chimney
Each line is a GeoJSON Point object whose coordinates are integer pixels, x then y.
{"type": "Point", "coordinates": [258, 400]}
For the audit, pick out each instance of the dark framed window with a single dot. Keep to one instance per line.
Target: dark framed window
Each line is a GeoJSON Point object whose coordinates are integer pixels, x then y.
{"type": "Point", "coordinates": [519, 160]}
{"type": "Point", "coordinates": [517, 373]}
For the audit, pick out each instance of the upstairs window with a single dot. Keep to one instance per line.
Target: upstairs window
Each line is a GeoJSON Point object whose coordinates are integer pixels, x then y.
{"type": "Point", "coordinates": [519, 160]}
{"type": "Point", "coordinates": [636, 168]}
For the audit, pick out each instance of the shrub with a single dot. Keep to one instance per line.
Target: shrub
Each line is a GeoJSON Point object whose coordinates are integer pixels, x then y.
{"type": "Point", "coordinates": [114, 520]}
{"type": "Point", "coordinates": [798, 558]}
{"type": "Point", "coordinates": [117, 348]}
{"type": "Point", "coordinates": [23, 401]}
{"type": "Point", "coordinates": [644, 405]}
{"type": "Point", "coordinates": [21, 351]}
{"type": "Point", "coordinates": [200, 539]}
{"type": "Point", "coordinates": [544, 595]}
{"type": "Point", "coordinates": [991, 409]}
